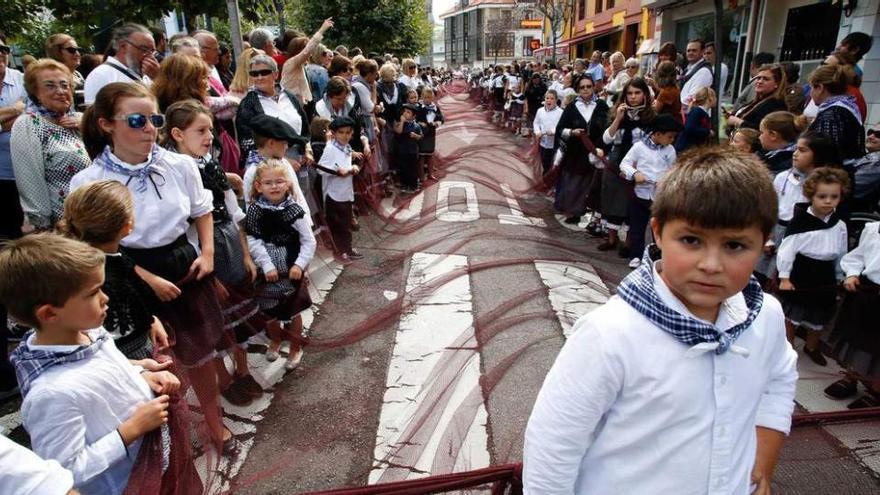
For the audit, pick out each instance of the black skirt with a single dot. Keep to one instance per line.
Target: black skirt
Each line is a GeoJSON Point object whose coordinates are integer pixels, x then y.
{"type": "Point", "coordinates": [857, 322]}
{"type": "Point", "coordinates": [815, 296]}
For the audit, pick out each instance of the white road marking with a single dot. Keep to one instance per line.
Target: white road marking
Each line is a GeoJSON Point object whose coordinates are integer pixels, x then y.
{"type": "Point", "coordinates": [433, 417]}
{"type": "Point", "coordinates": [412, 211]}
{"type": "Point", "coordinates": [574, 289]}
{"type": "Point", "coordinates": [323, 272]}
{"type": "Point", "coordinates": [473, 208]}
{"type": "Point", "coordinates": [516, 216]}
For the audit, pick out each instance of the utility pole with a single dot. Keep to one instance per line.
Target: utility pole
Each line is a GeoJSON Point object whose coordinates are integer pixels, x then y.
{"type": "Point", "coordinates": [234, 26]}
{"type": "Point", "coordinates": [719, 53]}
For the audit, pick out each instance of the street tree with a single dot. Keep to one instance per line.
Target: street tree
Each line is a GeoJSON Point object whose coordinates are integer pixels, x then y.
{"type": "Point", "coordinates": [499, 38]}
{"type": "Point", "coordinates": [20, 16]}
{"type": "Point", "coordinates": [557, 13]}
{"type": "Point", "coordinates": [393, 26]}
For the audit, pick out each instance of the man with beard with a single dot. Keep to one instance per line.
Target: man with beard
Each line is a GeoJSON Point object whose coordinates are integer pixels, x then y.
{"type": "Point", "coordinates": [134, 61]}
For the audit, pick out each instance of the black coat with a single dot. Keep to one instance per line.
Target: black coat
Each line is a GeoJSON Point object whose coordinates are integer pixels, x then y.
{"type": "Point", "coordinates": [249, 108]}
{"type": "Point", "coordinates": [576, 156]}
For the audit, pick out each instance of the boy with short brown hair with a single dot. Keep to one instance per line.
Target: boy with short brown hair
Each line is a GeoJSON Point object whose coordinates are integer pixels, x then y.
{"type": "Point", "coordinates": [684, 381]}
{"type": "Point", "coordinates": [84, 404]}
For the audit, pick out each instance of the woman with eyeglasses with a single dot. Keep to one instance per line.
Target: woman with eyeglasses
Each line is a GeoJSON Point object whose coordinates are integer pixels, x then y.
{"type": "Point", "coordinates": [268, 98]}
{"type": "Point", "coordinates": [576, 189]}
{"type": "Point", "coordinates": [770, 85]}
{"type": "Point", "coordinates": [47, 150]}
{"type": "Point", "coordinates": [120, 131]}
{"type": "Point", "coordinates": [63, 48]}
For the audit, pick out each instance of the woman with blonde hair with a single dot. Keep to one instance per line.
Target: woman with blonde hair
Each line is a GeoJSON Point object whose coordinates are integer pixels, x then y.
{"type": "Point", "coordinates": [241, 81]}
{"type": "Point", "coordinates": [770, 85]}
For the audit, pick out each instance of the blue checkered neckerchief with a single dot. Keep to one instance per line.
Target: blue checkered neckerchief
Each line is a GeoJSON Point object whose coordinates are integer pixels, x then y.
{"type": "Point", "coordinates": [30, 364]}
{"type": "Point", "coordinates": [342, 147]}
{"type": "Point", "coordinates": [847, 102]}
{"type": "Point", "coordinates": [143, 174]}
{"type": "Point", "coordinates": [788, 147]}
{"type": "Point", "coordinates": [638, 290]}
{"type": "Point", "coordinates": [651, 144]}
{"type": "Point", "coordinates": [253, 158]}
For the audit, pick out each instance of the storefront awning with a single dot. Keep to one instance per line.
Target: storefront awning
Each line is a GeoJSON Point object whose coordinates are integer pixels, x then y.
{"type": "Point", "coordinates": [561, 49]}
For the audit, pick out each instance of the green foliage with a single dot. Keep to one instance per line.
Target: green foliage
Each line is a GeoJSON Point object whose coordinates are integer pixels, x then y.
{"type": "Point", "coordinates": [395, 26]}
{"type": "Point", "coordinates": [20, 16]}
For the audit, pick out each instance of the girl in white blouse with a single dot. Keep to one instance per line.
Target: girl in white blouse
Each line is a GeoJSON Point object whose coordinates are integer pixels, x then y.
{"type": "Point", "coordinates": [807, 260]}
{"type": "Point", "coordinates": [120, 132]}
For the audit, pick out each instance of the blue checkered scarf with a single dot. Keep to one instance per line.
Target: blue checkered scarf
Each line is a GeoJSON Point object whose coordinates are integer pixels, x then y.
{"type": "Point", "coordinates": [30, 364]}
{"type": "Point", "coordinates": [110, 162]}
{"type": "Point", "coordinates": [638, 290]}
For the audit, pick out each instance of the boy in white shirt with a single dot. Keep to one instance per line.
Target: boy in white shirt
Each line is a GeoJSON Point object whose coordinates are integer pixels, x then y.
{"type": "Point", "coordinates": [84, 404]}
{"type": "Point", "coordinates": [646, 162]}
{"type": "Point", "coordinates": [336, 171]}
{"type": "Point", "coordinates": [684, 381]}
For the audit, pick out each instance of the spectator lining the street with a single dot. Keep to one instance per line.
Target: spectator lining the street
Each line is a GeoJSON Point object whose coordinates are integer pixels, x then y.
{"type": "Point", "coordinates": [336, 170]}
{"type": "Point", "coordinates": [430, 118]}
{"type": "Point", "coordinates": [808, 257]}
{"type": "Point", "coordinates": [698, 126]}
{"type": "Point", "coordinates": [770, 85]}
{"type": "Point", "coordinates": [47, 150]}
{"type": "Point", "coordinates": [133, 61]}
{"type": "Point", "coordinates": [282, 243]}
{"type": "Point", "coordinates": [85, 405]}
{"type": "Point", "coordinates": [746, 140]}
{"type": "Point", "coordinates": [779, 133]}
{"type": "Point", "coordinates": [544, 126]}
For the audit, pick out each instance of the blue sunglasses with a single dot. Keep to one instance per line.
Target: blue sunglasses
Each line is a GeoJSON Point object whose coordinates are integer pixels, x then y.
{"type": "Point", "coordinates": [139, 120]}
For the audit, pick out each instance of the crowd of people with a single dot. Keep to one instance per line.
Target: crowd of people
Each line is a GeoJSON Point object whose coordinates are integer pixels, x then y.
{"type": "Point", "coordinates": [192, 192]}
{"type": "Point", "coordinates": [605, 135]}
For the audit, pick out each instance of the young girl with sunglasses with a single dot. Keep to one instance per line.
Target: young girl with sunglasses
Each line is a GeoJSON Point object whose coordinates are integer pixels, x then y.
{"type": "Point", "coordinates": [189, 130]}
{"type": "Point", "coordinates": [282, 242]}
{"type": "Point", "coordinates": [119, 131]}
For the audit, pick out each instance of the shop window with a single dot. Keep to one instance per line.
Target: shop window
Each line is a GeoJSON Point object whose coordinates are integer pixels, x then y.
{"type": "Point", "coordinates": [598, 6]}
{"type": "Point", "coordinates": [810, 32]}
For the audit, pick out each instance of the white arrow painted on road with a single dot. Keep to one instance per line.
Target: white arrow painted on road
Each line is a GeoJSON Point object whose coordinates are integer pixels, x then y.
{"type": "Point", "coordinates": [463, 133]}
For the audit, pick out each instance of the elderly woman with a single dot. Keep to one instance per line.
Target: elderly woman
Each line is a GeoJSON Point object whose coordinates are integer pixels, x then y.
{"type": "Point", "coordinates": [839, 115]}
{"type": "Point", "coordinates": [63, 48]}
{"type": "Point", "coordinates": [619, 76]}
{"type": "Point", "coordinates": [47, 150]}
{"type": "Point", "coordinates": [586, 116]}
{"type": "Point", "coordinates": [769, 97]}
{"type": "Point", "coordinates": [268, 98]}
{"type": "Point", "coordinates": [293, 73]}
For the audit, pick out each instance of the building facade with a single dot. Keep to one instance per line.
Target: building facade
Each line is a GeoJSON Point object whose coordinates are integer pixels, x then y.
{"type": "Point", "coordinates": [608, 25]}
{"type": "Point", "coordinates": [479, 33]}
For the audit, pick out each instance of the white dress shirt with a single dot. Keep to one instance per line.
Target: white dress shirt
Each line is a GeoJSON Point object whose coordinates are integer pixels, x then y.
{"type": "Point", "coordinates": [103, 75]}
{"type": "Point", "coordinates": [25, 473]}
{"type": "Point", "coordinates": [823, 245]}
{"type": "Point", "coordinates": [160, 218]}
{"type": "Point", "coordinates": [629, 409]}
{"type": "Point", "coordinates": [653, 164]}
{"type": "Point", "coordinates": [282, 109]}
{"type": "Point", "coordinates": [73, 410]}
{"type": "Point", "coordinates": [865, 258]}
{"type": "Point", "coordinates": [702, 79]}
{"type": "Point", "coordinates": [339, 189]}
{"type": "Point", "coordinates": [11, 92]}
{"type": "Point", "coordinates": [409, 82]}
{"type": "Point", "coordinates": [545, 124]}
{"type": "Point", "coordinates": [789, 187]}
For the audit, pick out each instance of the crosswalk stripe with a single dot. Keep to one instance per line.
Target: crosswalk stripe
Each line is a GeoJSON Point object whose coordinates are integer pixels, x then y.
{"type": "Point", "coordinates": [574, 289]}
{"type": "Point", "coordinates": [433, 418]}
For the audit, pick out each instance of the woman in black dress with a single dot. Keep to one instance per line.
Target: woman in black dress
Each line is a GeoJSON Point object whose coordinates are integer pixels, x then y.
{"type": "Point", "coordinates": [578, 186]}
